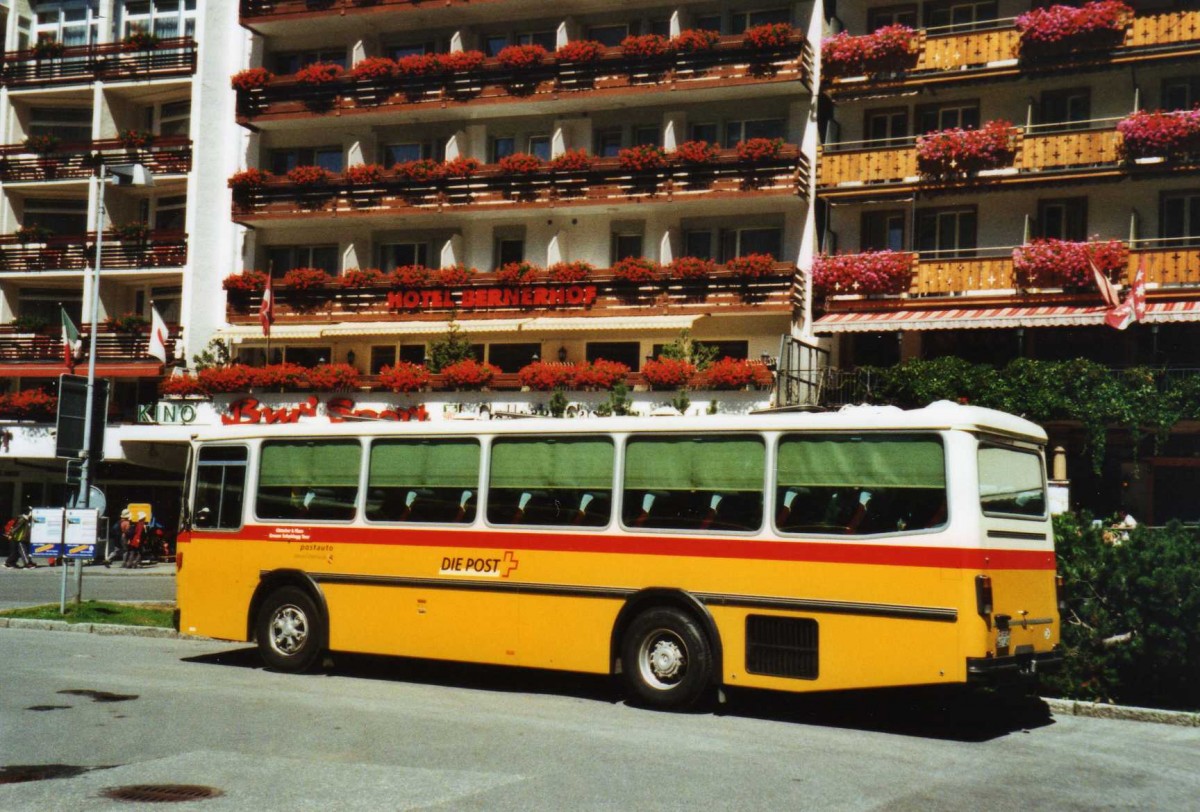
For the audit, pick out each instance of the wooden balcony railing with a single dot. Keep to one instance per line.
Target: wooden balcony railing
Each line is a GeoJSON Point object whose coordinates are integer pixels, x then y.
{"type": "Point", "coordinates": [166, 156]}
{"type": "Point", "coordinates": [989, 271]}
{"type": "Point", "coordinates": [162, 249]}
{"type": "Point", "coordinates": [1041, 150]}
{"type": "Point", "coordinates": [46, 347]}
{"type": "Point", "coordinates": [953, 55]}
{"type": "Point", "coordinates": [602, 294]}
{"type": "Point", "coordinates": [729, 63]}
{"type": "Point", "coordinates": [254, 10]}
{"type": "Point", "coordinates": [605, 184]}
{"type": "Point", "coordinates": [111, 61]}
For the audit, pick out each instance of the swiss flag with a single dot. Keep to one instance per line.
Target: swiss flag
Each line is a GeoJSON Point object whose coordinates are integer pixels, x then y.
{"type": "Point", "coordinates": [266, 311]}
{"type": "Point", "coordinates": [1137, 296]}
{"type": "Point", "coordinates": [1108, 291]}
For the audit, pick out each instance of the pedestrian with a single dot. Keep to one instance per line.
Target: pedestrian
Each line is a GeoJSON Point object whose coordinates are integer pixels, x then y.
{"type": "Point", "coordinates": [137, 532]}
{"type": "Point", "coordinates": [17, 531]}
{"type": "Point", "coordinates": [116, 541]}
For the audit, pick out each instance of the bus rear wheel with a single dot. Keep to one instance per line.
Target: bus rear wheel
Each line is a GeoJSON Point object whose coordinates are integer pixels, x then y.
{"type": "Point", "coordinates": [289, 629]}
{"type": "Point", "coordinates": [666, 660]}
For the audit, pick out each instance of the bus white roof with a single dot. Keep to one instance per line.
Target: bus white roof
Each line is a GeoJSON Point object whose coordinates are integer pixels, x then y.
{"type": "Point", "coordinates": [942, 415]}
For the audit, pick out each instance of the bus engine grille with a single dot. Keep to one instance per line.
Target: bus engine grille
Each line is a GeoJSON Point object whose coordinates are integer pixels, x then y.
{"type": "Point", "coordinates": [781, 646]}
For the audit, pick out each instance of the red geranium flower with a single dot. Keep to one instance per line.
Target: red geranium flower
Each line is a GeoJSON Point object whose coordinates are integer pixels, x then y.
{"type": "Point", "coordinates": [768, 37]}
{"type": "Point", "coordinates": [1160, 134]}
{"type": "Point", "coordinates": [870, 272]}
{"type": "Point", "coordinates": [734, 373]}
{"type": "Point", "coordinates": [567, 272]}
{"type": "Point", "coordinates": [695, 152]}
{"type": "Point", "coordinates": [453, 275]}
{"type": "Point", "coordinates": [180, 386]}
{"type": "Point", "coordinates": [460, 167]}
{"type": "Point", "coordinates": [373, 68]}
{"type": "Point", "coordinates": [752, 266]}
{"type": "Point", "coordinates": [757, 150]}
{"type": "Point", "coordinates": [692, 40]}
{"type": "Point", "coordinates": [642, 157]}
{"type": "Point", "coordinates": [543, 376]}
{"type": "Point", "coordinates": [469, 374]}
{"type": "Point", "coordinates": [410, 276]}
{"type": "Point", "coordinates": [637, 269]}
{"type": "Point", "coordinates": [600, 374]}
{"type": "Point", "coordinates": [305, 278]}
{"type": "Point", "coordinates": [309, 176]}
{"type": "Point", "coordinates": [245, 282]}
{"type": "Point", "coordinates": [278, 377]}
{"type": "Point", "coordinates": [360, 278]}
{"type": "Point", "coordinates": [890, 48]}
{"type": "Point", "coordinates": [1060, 28]}
{"type": "Point", "coordinates": [692, 268]}
{"type": "Point", "coordinates": [521, 57]}
{"type": "Point", "coordinates": [404, 377]}
{"type": "Point", "coordinates": [231, 378]}
{"type": "Point", "coordinates": [580, 50]}
{"type": "Point", "coordinates": [572, 160]}
{"type": "Point", "coordinates": [460, 61]}
{"type": "Point", "coordinates": [251, 79]}
{"type": "Point", "coordinates": [520, 163]}
{"type": "Point", "coordinates": [958, 151]}
{"type": "Point", "coordinates": [664, 373]}
{"type": "Point", "coordinates": [517, 273]}
{"type": "Point", "coordinates": [319, 73]}
{"type": "Point", "coordinates": [416, 65]}
{"type": "Point", "coordinates": [332, 378]}
{"type": "Point", "coordinates": [248, 179]}
{"type": "Point", "coordinates": [645, 46]}
{"type": "Point", "coordinates": [1059, 263]}
{"type": "Point", "coordinates": [423, 170]}
{"type": "Point", "coordinates": [28, 404]}
{"type": "Point", "coordinates": [364, 174]}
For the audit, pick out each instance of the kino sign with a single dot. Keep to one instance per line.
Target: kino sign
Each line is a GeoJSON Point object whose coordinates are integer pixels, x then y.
{"type": "Point", "coordinates": [165, 413]}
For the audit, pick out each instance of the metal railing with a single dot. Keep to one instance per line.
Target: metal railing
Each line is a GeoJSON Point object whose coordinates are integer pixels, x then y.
{"type": "Point", "coordinates": [160, 249]}
{"type": "Point", "coordinates": [79, 159]}
{"type": "Point", "coordinates": [85, 63]}
{"type": "Point", "coordinates": [46, 347]}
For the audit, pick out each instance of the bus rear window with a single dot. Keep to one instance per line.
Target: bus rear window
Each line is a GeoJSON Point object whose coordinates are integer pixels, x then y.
{"type": "Point", "coordinates": [433, 480]}
{"type": "Point", "coordinates": [308, 480]}
{"type": "Point", "coordinates": [1010, 482]}
{"type": "Point", "coordinates": [566, 481]}
{"type": "Point", "coordinates": [859, 484]}
{"type": "Point", "coordinates": [694, 483]}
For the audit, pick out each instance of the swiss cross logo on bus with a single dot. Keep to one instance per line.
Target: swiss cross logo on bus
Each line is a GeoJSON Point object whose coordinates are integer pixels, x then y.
{"type": "Point", "coordinates": [478, 565]}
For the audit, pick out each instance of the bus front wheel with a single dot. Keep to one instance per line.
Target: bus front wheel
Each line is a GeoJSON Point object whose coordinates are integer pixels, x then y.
{"type": "Point", "coordinates": [666, 660]}
{"type": "Point", "coordinates": [289, 630]}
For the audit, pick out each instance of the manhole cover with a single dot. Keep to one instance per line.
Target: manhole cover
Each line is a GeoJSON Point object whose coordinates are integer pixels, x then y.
{"type": "Point", "coordinates": [160, 793]}
{"type": "Point", "coordinates": [20, 773]}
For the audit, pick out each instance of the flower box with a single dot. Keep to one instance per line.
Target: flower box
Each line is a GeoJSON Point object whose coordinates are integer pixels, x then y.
{"type": "Point", "coordinates": [668, 373]}
{"type": "Point", "coordinates": [251, 79]}
{"type": "Point", "coordinates": [410, 276]}
{"type": "Point", "coordinates": [692, 268]}
{"type": "Point", "coordinates": [42, 144]}
{"type": "Point", "coordinates": [245, 282]}
{"type": "Point", "coordinates": [460, 167]}
{"type": "Point", "coordinates": [517, 273]}
{"type": "Point", "coordinates": [645, 46]}
{"type": "Point", "coordinates": [734, 373]}
{"type": "Point", "coordinates": [752, 266]}
{"type": "Point", "coordinates": [301, 279]}
{"type": "Point", "coordinates": [1060, 263]}
{"type": "Point", "coordinates": [637, 270]}
{"type": "Point", "coordinates": [959, 152]}
{"type": "Point", "coordinates": [520, 163]}
{"type": "Point", "coordinates": [127, 323]}
{"type": "Point", "coordinates": [521, 57]}
{"type": "Point", "coordinates": [572, 160]}
{"type": "Point", "coordinates": [332, 378]}
{"type": "Point", "coordinates": [132, 232]}
{"type": "Point", "coordinates": [1058, 30]}
{"type": "Point", "coordinates": [600, 375]}
{"type": "Point", "coordinates": [460, 61]}
{"type": "Point", "coordinates": [32, 234]}
{"type": "Point", "coordinates": [357, 278]}
{"type": "Point", "coordinates": [543, 376]}
{"type": "Point", "coordinates": [139, 39]}
{"type": "Point", "coordinates": [364, 174]}
{"type": "Point", "coordinates": [47, 47]}
{"type": "Point", "coordinates": [229, 378]}
{"type": "Point", "coordinates": [695, 153]}
{"type": "Point", "coordinates": [759, 150]}
{"type": "Point", "coordinates": [180, 386]}
{"type": "Point", "coordinates": [569, 272]}
{"type": "Point", "coordinates": [695, 40]}
{"type": "Point", "coordinates": [469, 374]}
{"type": "Point", "coordinates": [283, 377]}
{"type": "Point", "coordinates": [579, 51]}
{"type": "Point", "coordinates": [887, 50]}
{"type": "Point", "coordinates": [309, 176]}
{"type": "Point", "coordinates": [247, 179]}
{"type": "Point", "coordinates": [319, 74]}
{"type": "Point", "coordinates": [768, 37]}
{"type": "Point", "coordinates": [136, 139]}
{"type": "Point", "coordinates": [424, 170]}
{"type": "Point", "coordinates": [642, 158]}
{"type": "Point", "coordinates": [454, 275]}
{"type": "Point", "coordinates": [28, 404]}
{"type": "Point", "coordinates": [884, 272]}
{"type": "Point", "coordinates": [404, 376]}
{"type": "Point", "coordinates": [416, 65]}
{"type": "Point", "coordinates": [1160, 134]}
{"type": "Point", "coordinates": [373, 69]}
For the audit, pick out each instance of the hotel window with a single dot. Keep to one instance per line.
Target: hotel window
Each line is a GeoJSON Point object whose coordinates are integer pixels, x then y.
{"type": "Point", "coordinates": [60, 217]}
{"type": "Point", "coordinates": [71, 23]}
{"type": "Point", "coordinates": [1180, 219]}
{"type": "Point", "coordinates": [610, 35]}
{"type": "Point", "coordinates": [284, 64]}
{"type": "Point", "coordinates": [962, 14]}
{"type": "Point", "coordinates": [739, 21]}
{"type": "Point", "coordinates": [628, 353]}
{"type": "Point", "coordinates": [409, 49]}
{"type": "Point", "coordinates": [660, 26]}
{"type": "Point", "coordinates": [65, 123]}
{"type": "Point", "coordinates": [398, 254]}
{"type": "Point", "coordinates": [511, 357]}
{"type": "Point", "coordinates": [647, 136]}
{"type": "Point", "coordinates": [883, 230]}
{"type": "Point", "coordinates": [1063, 219]}
{"type": "Point", "coordinates": [1065, 107]}
{"type": "Point", "coordinates": [547, 39]}
{"type": "Point", "coordinates": [307, 356]}
{"type": "Point", "coordinates": [509, 249]}
{"type": "Point", "coordinates": [171, 118]}
{"type": "Point", "coordinates": [947, 233]}
{"type": "Point", "coordinates": [167, 300]}
{"type": "Point", "coordinates": [761, 128]}
{"type": "Point", "coordinates": [166, 19]}
{"type": "Point", "coordinates": [707, 22]}
{"type": "Point", "coordinates": [1181, 93]}
{"type": "Point", "coordinates": [539, 146]}
{"type": "Point", "coordinates": [626, 244]}
{"type": "Point", "coordinates": [709, 131]}
{"type": "Point", "coordinates": [886, 127]}
{"type": "Point", "coordinates": [502, 147]}
{"type": "Point", "coordinates": [166, 213]}
{"type": "Point", "coordinates": [406, 151]}
{"type": "Point", "coordinates": [739, 242]}
{"type": "Point", "coordinates": [45, 302]}
{"type": "Point", "coordinates": [891, 15]}
{"type": "Point", "coordinates": [608, 142]}
{"type": "Point", "coordinates": [285, 160]}
{"type": "Point", "coordinates": [382, 356]}
{"type": "Point", "coordinates": [281, 259]}
{"type": "Point", "coordinates": [413, 353]}
{"type": "Point", "coordinates": [699, 243]}
{"type": "Point", "coordinates": [946, 116]}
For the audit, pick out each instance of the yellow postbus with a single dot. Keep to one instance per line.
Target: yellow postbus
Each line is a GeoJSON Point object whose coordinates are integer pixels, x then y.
{"type": "Point", "coordinates": [797, 552]}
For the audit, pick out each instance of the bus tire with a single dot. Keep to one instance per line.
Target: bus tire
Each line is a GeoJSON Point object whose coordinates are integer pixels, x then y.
{"type": "Point", "coordinates": [666, 660]}
{"type": "Point", "coordinates": [289, 630]}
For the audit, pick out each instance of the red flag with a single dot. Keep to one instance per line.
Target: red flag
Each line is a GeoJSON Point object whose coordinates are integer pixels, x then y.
{"type": "Point", "coordinates": [1108, 291]}
{"type": "Point", "coordinates": [1121, 316]}
{"type": "Point", "coordinates": [266, 311]}
{"type": "Point", "coordinates": [1137, 296]}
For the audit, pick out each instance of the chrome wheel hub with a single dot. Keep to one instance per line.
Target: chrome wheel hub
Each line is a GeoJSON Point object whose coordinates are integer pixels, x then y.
{"type": "Point", "coordinates": [663, 660]}
{"type": "Point", "coordinates": [289, 630]}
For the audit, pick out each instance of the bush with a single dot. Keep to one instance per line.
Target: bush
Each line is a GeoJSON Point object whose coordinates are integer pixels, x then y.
{"type": "Point", "coordinates": [668, 373]}
{"type": "Point", "coordinates": [1147, 586]}
{"type": "Point", "coordinates": [404, 377]}
{"type": "Point", "coordinates": [567, 272]}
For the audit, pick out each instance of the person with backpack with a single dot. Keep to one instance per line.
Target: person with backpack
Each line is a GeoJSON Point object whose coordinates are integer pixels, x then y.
{"type": "Point", "coordinates": [116, 546]}
{"type": "Point", "coordinates": [17, 531]}
{"type": "Point", "coordinates": [133, 542]}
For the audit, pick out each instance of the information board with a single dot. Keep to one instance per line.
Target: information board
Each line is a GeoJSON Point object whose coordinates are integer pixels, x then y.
{"type": "Point", "coordinates": [81, 533]}
{"type": "Point", "coordinates": [46, 532]}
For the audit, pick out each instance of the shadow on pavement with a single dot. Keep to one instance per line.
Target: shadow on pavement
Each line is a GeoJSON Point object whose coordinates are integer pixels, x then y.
{"type": "Point", "coordinates": [952, 713]}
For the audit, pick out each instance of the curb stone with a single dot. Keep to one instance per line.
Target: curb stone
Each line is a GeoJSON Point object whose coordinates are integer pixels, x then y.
{"type": "Point", "coordinates": [91, 628]}
{"type": "Point", "coordinates": [1098, 710]}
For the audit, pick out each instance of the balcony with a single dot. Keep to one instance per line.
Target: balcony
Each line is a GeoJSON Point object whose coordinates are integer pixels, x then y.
{"type": "Point", "coordinates": [1047, 153]}
{"type": "Point", "coordinates": [38, 355]}
{"type": "Point", "coordinates": [109, 62]}
{"type": "Point", "coordinates": [78, 160]}
{"type": "Point", "coordinates": [160, 249]}
{"type": "Point", "coordinates": [493, 189]}
{"type": "Point", "coordinates": [951, 55]}
{"type": "Point", "coordinates": [730, 64]}
{"type": "Point", "coordinates": [602, 294]}
{"type": "Point", "coordinates": [255, 10]}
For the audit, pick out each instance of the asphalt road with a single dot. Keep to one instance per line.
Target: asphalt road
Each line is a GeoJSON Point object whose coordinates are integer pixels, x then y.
{"type": "Point", "coordinates": [378, 733]}
{"type": "Point", "coordinates": [154, 582]}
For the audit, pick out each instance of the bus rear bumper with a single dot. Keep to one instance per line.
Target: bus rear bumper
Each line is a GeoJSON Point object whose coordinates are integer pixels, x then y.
{"type": "Point", "coordinates": [1026, 665]}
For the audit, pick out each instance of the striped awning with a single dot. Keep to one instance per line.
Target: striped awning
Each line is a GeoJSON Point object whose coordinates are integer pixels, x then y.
{"type": "Point", "coordinates": [967, 318]}
{"type": "Point", "coordinates": [551, 324]}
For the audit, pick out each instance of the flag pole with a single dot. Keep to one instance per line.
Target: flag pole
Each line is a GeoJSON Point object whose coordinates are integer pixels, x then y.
{"type": "Point", "coordinates": [85, 468]}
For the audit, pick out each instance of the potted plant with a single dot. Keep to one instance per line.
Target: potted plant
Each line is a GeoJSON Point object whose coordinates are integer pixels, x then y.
{"type": "Point", "coordinates": [305, 279]}
{"type": "Point", "coordinates": [692, 268]}
{"type": "Point", "coordinates": [645, 46]}
{"type": "Point", "coordinates": [460, 167]}
{"type": "Point", "coordinates": [282, 377]}
{"type": "Point", "coordinates": [889, 49]}
{"type": "Point", "coordinates": [139, 39]}
{"type": "Point", "coordinates": [358, 278]}
{"type": "Point", "coordinates": [309, 177]}
{"type": "Point", "coordinates": [245, 282]}
{"type": "Point", "coordinates": [637, 270]}
{"type": "Point", "coordinates": [517, 273]}
{"type": "Point", "coordinates": [319, 74]}
{"type": "Point", "coordinates": [730, 374]}
{"type": "Point", "coordinates": [468, 374]}
{"type": "Point", "coordinates": [695, 40]}
{"type": "Point", "coordinates": [960, 152]}
{"type": "Point", "coordinates": [460, 61]}
{"type": "Point", "coordinates": [413, 66]}
{"type": "Point", "coordinates": [600, 375]}
{"type": "Point", "coordinates": [759, 150]}
{"type": "Point", "coordinates": [668, 373]}
{"type": "Point", "coordinates": [543, 376]}
{"type": "Point", "coordinates": [332, 378]}
{"type": "Point", "coordinates": [1160, 134]}
{"type": "Point", "coordinates": [520, 163]}
{"type": "Point", "coordinates": [871, 272]}
{"type": "Point", "coordinates": [373, 69]}
{"type": "Point", "coordinates": [1060, 29]}
{"type": "Point", "coordinates": [404, 376]}
{"type": "Point", "coordinates": [752, 266]}
{"type": "Point", "coordinates": [1066, 264]}
{"type": "Point", "coordinates": [251, 79]}
{"type": "Point", "coordinates": [455, 275]}
{"type": "Point", "coordinates": [569, 272]}
{"type": "Point", "coordinates": [410, 276]}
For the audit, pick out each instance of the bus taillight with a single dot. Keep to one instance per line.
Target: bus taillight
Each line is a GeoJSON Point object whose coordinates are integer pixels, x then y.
{"type": "Point", "coordinates": [983, 595]}
{"type": "Point", "coordinates": [1059, 590]}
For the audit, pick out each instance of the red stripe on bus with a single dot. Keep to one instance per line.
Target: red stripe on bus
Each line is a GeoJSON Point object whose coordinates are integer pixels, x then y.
{"type": "Point", "coordinates": [689, 547]}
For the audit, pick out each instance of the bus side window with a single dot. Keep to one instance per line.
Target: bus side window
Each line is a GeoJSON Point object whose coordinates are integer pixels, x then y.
{"type": "Point", "coordinates": [430, 480]}
{"type": "Point", "coordinates": [563, 481]}
{"type": "Point", "coordinates": [220, 487]}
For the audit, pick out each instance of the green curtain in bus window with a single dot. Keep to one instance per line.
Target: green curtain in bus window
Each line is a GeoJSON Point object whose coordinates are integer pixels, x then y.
{"type": "Point", "coordinates": [574, 463]}
{"type": "Point", "coordinates": [424, 464]}
{"type": "Point", "coordinates": [861, 462]}
{"type": "Point", "coordinates": [684, 463]}
{"type": "Point", "coordinates": [326, 464]}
